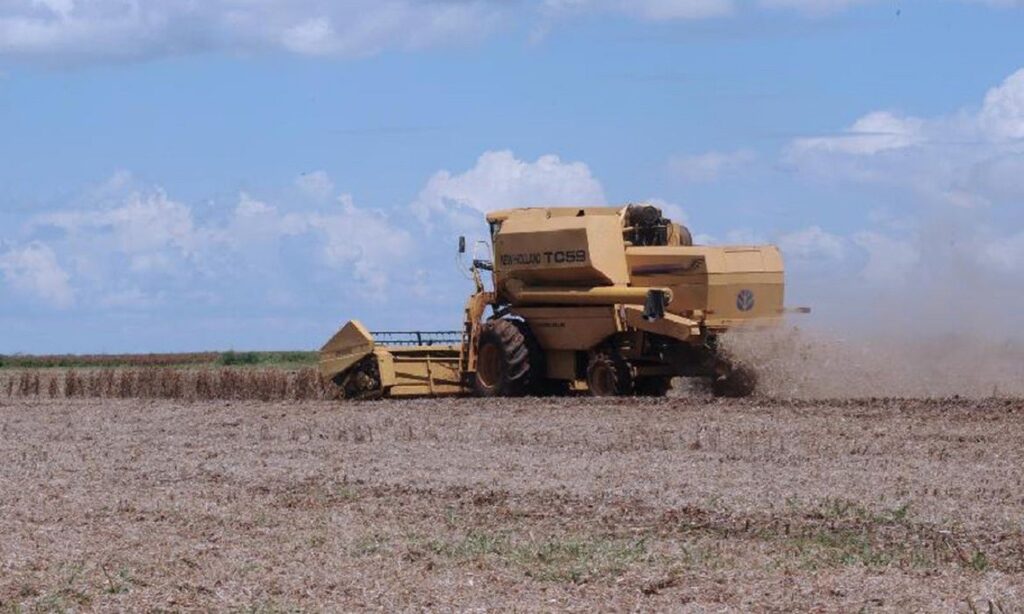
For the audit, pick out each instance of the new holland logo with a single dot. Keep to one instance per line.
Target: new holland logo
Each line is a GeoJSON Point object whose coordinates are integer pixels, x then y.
{"type": "Point", "coordinates": [745, 300]}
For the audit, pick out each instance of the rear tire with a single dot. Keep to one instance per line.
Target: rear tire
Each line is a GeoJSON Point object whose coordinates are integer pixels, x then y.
{"type": "Point", "coordinates": [508, 363]}
{"type": "Point", "coordinates": [609, 375]}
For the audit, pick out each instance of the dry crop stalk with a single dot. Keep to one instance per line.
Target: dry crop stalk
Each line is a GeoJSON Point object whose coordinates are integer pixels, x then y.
{"type": "Point", "coordinates": [72, 384]}
{"type": "Point", "coordinates": [125, 383]}
{"type": "Point", "coordinates": [202, 387]}
{"type": "Point", "coordinates": [266, 384]}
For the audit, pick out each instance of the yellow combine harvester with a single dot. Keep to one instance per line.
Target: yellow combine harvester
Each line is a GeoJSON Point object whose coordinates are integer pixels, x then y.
{"type": "Point", "coordinates": [614, 300]}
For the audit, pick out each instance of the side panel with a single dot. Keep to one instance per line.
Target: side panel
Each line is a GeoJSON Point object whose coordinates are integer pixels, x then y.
{"type": "Point", "coordinates": [561, 364]}
{"type": "Point", "coordinates": [727, 284]}
{"type": "Point", "coordinates": [347, 347]}
{"type": "Point", "coordinates": [585, 250]}
{"type": "Point", "coordinates": [745, 283]}
{"type": "Point", "coordinates": [422, 372]}
{"type": "Point", "coordinates": [683, 269]}
{"type": "Point", "coordinates": [570, 328]}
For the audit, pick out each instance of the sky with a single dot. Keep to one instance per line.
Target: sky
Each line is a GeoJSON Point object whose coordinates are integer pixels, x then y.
{"type": "Point", "coordinates": [250, 174]}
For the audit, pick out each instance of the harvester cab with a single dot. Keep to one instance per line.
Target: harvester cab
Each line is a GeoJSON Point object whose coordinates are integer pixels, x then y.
{"type": "Point", "coordinates": [610, 300]}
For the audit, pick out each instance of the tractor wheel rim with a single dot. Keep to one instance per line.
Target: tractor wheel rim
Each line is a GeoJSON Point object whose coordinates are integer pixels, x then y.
{"type": "Point", "coordinates": [488, 365]}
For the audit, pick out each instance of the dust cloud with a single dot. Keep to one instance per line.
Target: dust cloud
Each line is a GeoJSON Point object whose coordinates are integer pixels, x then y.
{"type": "Point", "coordinates": [931, 315]}
{"type": "Point", "coordinates": [794, 363]}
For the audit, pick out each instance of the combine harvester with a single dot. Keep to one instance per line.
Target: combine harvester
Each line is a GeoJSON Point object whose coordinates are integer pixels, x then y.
{"type": "Point", "coordinates": [617, 301]}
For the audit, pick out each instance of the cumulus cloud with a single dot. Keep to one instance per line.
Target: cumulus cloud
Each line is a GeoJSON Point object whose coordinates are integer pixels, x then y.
{"type": "Point", "coordinates": [366, 241]}
{"type": "Point", "coordinates": [136, 246]}
{"type": "Point", "coordinates": [942, 196]}
{"type": "Point", "coordinates": [814, 6]}
{"type": "Point", "coordinates": [499, 180]}
{"type": "Point", "coordinates": [813, 244]}
{"type": "Point", "coordinates": [971, 158]}
{"type": "Point", "coordinates": [33, 270]}
{"type": "Point", "coordinates": [1002, 114]}
{"type": "Point", "coordinates": [652, 10]}
{"type": "Point", "coordinates": [76, 31]}
{"type": "Point", "coordinates": [129, 246]}
{"type": "Point", "coordinates": [363, 243]}
{"type": "Point", "coordinates": [890, 259]}
{"type": "Point", "coordinates": [317, 184]}
{"type": "Point", "coordinates": [871, 134]}
{"type": "Point", "coordinates": [148, 232]}
{"type": "Point", "coordinates": [82, 29]}
{"type": "Point", "coordinates": [709, 166]}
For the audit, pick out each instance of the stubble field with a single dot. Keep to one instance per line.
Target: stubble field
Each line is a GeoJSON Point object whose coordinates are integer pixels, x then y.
{"type": "Point", "coordinates": [536, 504]}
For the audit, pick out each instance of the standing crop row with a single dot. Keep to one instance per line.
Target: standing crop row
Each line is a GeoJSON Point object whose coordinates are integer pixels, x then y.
{"type": "Point", "coordinates": [165, 383]}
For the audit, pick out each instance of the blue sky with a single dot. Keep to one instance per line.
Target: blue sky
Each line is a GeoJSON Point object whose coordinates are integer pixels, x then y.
{"type": "Point", "coordinates": [228, 174]}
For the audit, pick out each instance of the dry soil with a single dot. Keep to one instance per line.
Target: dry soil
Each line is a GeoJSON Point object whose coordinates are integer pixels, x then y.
{"type": "Point", "coordinates": [562, 504]}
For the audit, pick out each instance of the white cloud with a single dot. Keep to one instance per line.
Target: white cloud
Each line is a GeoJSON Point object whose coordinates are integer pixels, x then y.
{"type": "Point", "coordinates": [814, 6]}
{"type": "Point", "coordinates": [33, 270]}
{"type": "Point", "coordinates": [365, 241]}
{"type": "Point", "coordinates": [83, 30]}
{"type": "Point", "coordinates": [149, 229]}
{"type": "Point", "coordinates": [312, 37]}
{"type": "Point", "coordinates": [871, 134]}
{"type": "Point", "coordinates": [652, 10]}
{"type": "Point", "coordinates": [135, 248]}
{"type": "Point", "coordinates": [812, 244]}
{"type": "Point", "coordinates": [360, 243]}
{"type": "Point", "coordinates": [710, 166]}
{"type": "Point", "coordinates": [968, 159]}
{"type": "Point", "coordinates": [76, 30]}
{"type": "Point", "coordinates": [890, 260]}
{"type": "Point", "coordinates": [939, 174]}
{"type": "Point", "coordinates": [499, 180]}
{"type": "Point", "coordinates": [256, 226]}
{"type": "Point", "coordinates": [317, 184]}
{"type": "Point", "coordinates": [1002, 114]}
{"type": "Point", "coordinates": [1005, 254]}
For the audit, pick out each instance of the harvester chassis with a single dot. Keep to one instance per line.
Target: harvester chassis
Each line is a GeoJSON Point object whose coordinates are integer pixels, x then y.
{"type": "Point", "coordinates": [614, 301]}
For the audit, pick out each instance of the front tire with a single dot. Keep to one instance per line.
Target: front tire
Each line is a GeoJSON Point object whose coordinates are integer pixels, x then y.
{"type": "Point", "coordinates": [507, 362]}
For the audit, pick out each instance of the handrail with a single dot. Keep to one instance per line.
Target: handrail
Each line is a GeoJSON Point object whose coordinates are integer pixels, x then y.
{"type": "Point", "coordinates": [417, 337]}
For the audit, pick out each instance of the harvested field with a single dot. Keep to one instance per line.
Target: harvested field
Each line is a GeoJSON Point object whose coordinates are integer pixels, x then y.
{"type": "Point", "coordinates": [530, 504]}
